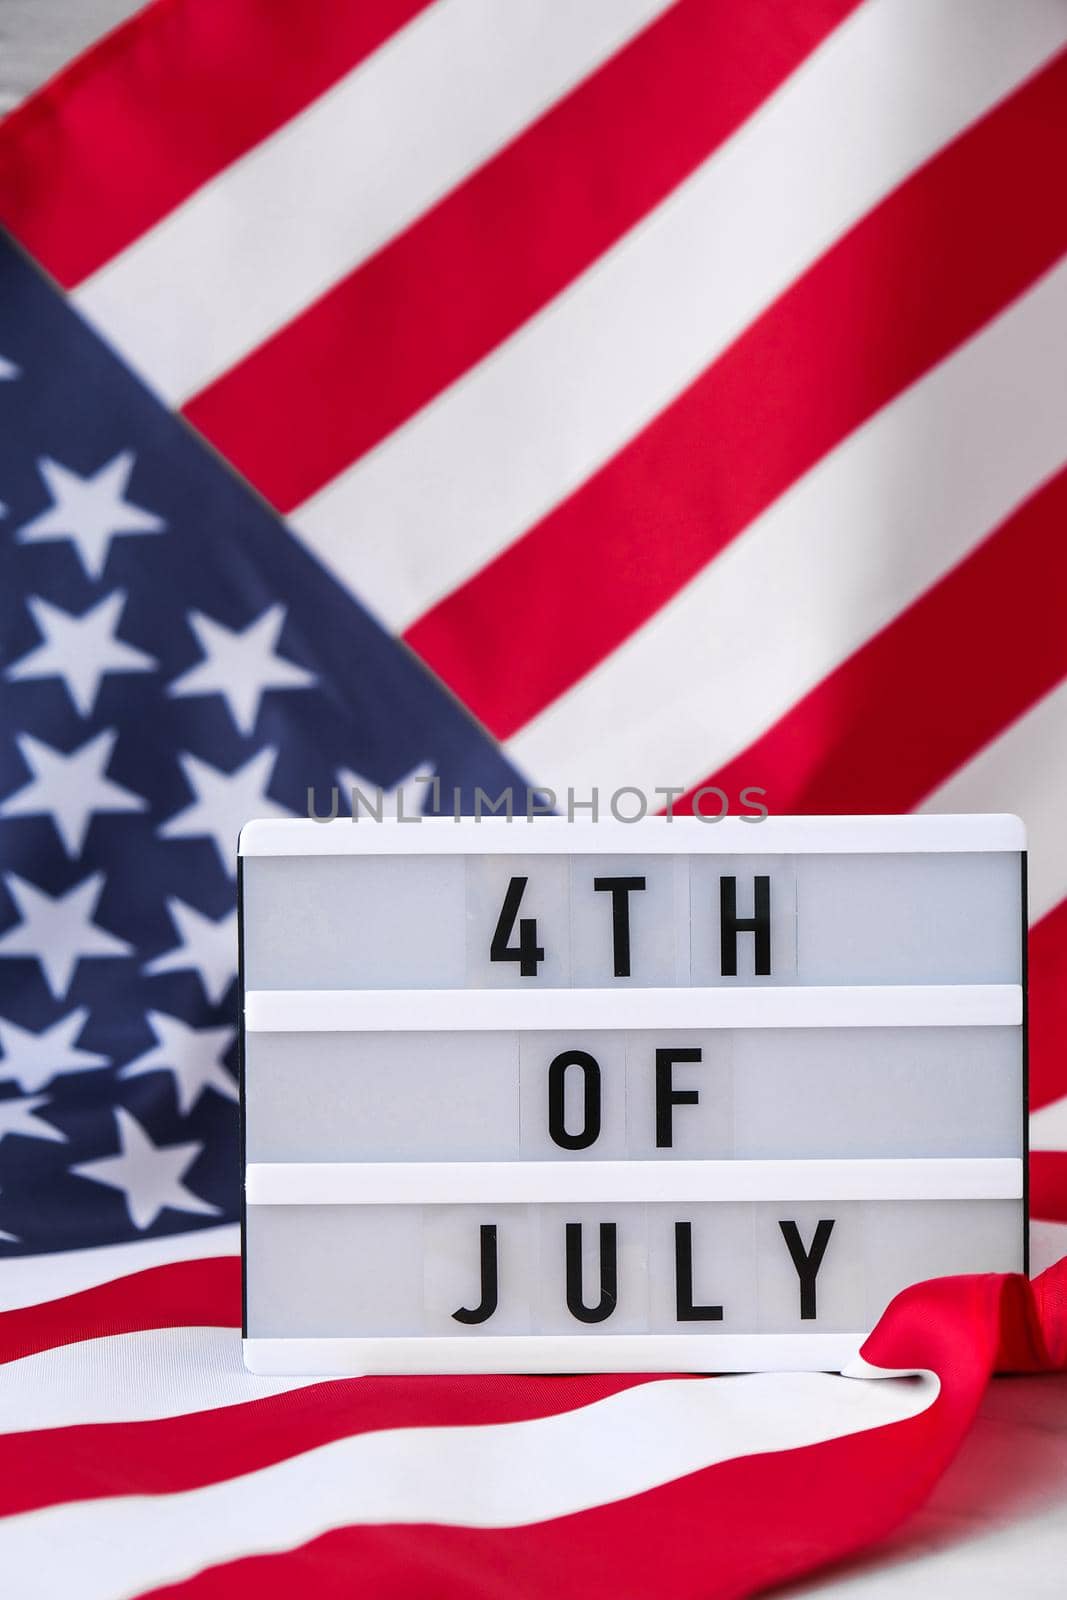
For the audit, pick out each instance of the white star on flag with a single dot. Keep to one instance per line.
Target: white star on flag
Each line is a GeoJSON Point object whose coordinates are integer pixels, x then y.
{"type": "Point", "coordinates": [80, 649]}
{"type": "Point", "coordinates": [148, 1174]}
{"type": "Point", "coordinates": [17, 1116]}
{"type": "Point", "coordinates": [224, 802]}
{"type": "Point", "coordinates": [70, 787]}
{"type": "Point", "coordinates": [33, 1059]}
{"type": "Point", "coordinates": [90, 511]}
{"type": "Point", "coordinates": [193, 1055]}
{"type": "Point", "coordinates": [58, 929]}
{"type": "Point", "coordinates": [404, 799]}
{"type": "Point", "coordinates": [241, 664]}
{"type": "Point", "coordinates": [207, 946]}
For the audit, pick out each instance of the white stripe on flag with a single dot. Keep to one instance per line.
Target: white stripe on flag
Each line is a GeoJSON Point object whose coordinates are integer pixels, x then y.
{"type": "Point", "coordinates": [471, 472]}
{"type": "Point", "coordinates": [848, 548]}
{"type": "Point", "coordinates": [1048, 1127]}
{"type": "Point", "coordinates": [1048, 1244]}
{"type": "Point", "coordinates": [491, 1476]}
{"type": "Point", "coordinates": [266, 237]}
{"type": "Point", "coordinates": [30, 1280]}
{"type": "Point", "coordinates": [1024, 769]}
{"type": "Point", "coordinates": [132, 1377]}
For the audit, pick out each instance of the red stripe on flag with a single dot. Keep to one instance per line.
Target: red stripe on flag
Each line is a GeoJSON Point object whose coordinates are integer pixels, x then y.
{"type": "Point", "coordinates": [161, 105]}
{"type": "Point", "coordinates": [1048, 1185]}
{"type": "Point", "coordinates": [730, 1529]}
{"type": "Point", "coordinates": [940, 681]}
{"type": "Point", "coordinates": [726, 1531]}
{"type": "Point", "coordinates": [180, 1294]}
{"type": "Point", "coordinates": [179, 1453]}
{"type": "Point", "coordinates": [1048, 1013]}
{"type": "Point", "coordinates": [920, 274]}
{"type": "Point", "coordinates": [440, 296]}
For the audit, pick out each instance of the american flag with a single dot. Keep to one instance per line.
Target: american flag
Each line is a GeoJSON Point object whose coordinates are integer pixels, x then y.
{"type": "Point", "coordinates": [625, 393]}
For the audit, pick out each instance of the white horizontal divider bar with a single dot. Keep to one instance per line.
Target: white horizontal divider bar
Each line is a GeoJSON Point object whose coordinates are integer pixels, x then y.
{"type": "Point", "coordinates": [520, 1010]}
{"type": "Point", "coordinates": [555, 835]}
{"type": "Point", "coordinates": [615, 1352]}
{"type": "Point", "coordinates": [311, 1183]}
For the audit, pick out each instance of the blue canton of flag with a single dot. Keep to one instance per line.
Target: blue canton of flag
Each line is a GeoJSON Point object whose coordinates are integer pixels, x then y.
{"type": "Point", "coordinates": [172, 663]}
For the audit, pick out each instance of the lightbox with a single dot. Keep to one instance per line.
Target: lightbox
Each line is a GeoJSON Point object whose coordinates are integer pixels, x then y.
{"type": "Point", "coordinates": [669, 1095]}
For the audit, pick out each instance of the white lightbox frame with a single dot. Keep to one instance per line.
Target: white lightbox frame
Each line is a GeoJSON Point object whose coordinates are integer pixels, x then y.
{"type": "Point", "coordinates": [469, 1009]}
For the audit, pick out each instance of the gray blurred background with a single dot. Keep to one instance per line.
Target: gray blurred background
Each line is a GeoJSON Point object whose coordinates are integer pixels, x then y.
{"type": "Point", "coordinates": [37, 37]}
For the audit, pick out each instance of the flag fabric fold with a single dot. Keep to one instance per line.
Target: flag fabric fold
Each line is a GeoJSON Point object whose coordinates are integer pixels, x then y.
{"type": "Point", "coordinates": [693, 1486]}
